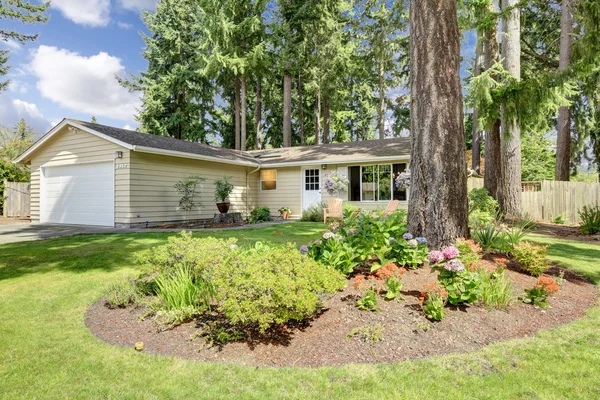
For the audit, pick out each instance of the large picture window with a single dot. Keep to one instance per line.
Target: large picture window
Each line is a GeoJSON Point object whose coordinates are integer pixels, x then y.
{"type": "Point", "coordinates": [268, 179]}
{"type": "Point", "coordinates": [375, 182]}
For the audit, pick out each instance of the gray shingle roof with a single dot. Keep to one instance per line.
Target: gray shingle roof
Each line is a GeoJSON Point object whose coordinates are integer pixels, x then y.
{"type": "Point", "coordinates": [368, 149]}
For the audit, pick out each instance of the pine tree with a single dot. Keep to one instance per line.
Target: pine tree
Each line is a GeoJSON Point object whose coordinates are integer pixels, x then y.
{"type": "Point", "coordinates": [26, 13]}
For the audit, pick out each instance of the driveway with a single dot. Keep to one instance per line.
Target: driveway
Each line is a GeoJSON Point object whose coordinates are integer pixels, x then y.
{"type": "Point", "coordinates": [22, 232]}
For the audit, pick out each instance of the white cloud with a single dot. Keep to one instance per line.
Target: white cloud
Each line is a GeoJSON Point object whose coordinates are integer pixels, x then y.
{"type": "Point", "coordinates": [137, 5]}
{"type": "Point", "coordinates": [18, 87]}
{"type": "Point", "coordinates": [124, 25]}
{"type": "Point", "coordinates": [11, 111]}
{"type": "Point", "coordinates": [11, 44]}
{"type": "Point", "coordinates": [129, 127]}
{"type": "Point", "coordinates": [85, 12]}
{"type": "Point", "coordinates": [83, 84]}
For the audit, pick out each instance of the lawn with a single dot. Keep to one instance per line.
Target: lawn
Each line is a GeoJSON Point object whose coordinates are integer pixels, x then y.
{"type": "Point", "coordinates": [47, 352]}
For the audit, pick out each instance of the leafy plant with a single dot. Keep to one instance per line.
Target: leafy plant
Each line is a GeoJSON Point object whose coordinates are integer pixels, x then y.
{"type": "Point", "coordinates": [260, 214]}
{"type": "Point", "coordinates": [483, 208]}
{"type": "Point", "coordinates": [526, 223]}
{"type": "Point", "coordinates": [496, 290]}
{"type": "Point", "coordinates": [285, 209]}
{"type": "Point", "coordinates": [469, 251]}
{"type": "Point", "coordinates": [272, 288]}
{"type": "Point", "coordinates": [314, 213]}
{"type": "Point", "coordinates": [187, 189]}
{"type": "Point", "coordinates": [337, 254]}
{"type": "Point", "coordinates": [178, 291]}
{"type": "Point", "coordinates": [122, 293]}
{"type": "Point", "coordinates": [551, 285]}
{"type": "Point", "coordinates": [223, 189]}
{"type": "Point", "coordinates": [532, 257]}
{"type": "Point", "coordinates": [590, 220]}
{"type": "Point", "coordinates": [559, 220]}
{"type": "Point", "coordinates": [433, 307]}
{"type": "Point", "coordinates": [537, 296]}
{"type": "Point", "coordinates": [513, 237]}
{"type": "Point", "coordinates": [393, 286]}
{"type": "Point", "coordinates": [487, 237]}
{"type": "Point", "coordinates": [370, 334]}
{"type": "Point", "coordinates": [168, 319]}
{"type": "Point", "coordinates": [369, 301]}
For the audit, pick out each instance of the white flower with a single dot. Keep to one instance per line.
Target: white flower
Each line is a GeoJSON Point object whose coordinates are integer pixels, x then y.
{"type": "Point", "coordinates": [328, 235]}
{"type": "Point", "coordinates": [413, 243]}
{"type": "Point", "coordinates": [233, 247]}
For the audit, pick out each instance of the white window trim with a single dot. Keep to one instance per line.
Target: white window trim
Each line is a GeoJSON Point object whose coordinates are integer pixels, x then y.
{"type": "Point", "coordinates": [391, 182]}
{"type": "Point", "coordinates": [270, 180]}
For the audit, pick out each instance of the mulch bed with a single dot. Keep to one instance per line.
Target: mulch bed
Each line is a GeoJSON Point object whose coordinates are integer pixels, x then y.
{"type": "Point", "coordinates": [566, 232]}
{"type": "Point", "coordinates": [407, 334]}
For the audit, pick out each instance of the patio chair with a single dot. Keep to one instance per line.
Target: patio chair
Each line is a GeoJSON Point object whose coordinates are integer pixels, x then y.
{"type": "Point", "coordinates": [391, 207]}
{"type": "Point", "coordinates": [334, 209]}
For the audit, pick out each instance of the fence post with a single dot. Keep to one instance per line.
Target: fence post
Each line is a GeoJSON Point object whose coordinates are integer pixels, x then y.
{"type": "Point", "coordinates": [5, 198]}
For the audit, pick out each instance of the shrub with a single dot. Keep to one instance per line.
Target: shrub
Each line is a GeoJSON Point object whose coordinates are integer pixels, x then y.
{"type": "Point", "coordinates": [273, 287]}
{"type": "Point", "coordinates": [559, 220]}
{"type": "Point", "coordinates": [196, 255]}
{"type": "Point", "coordinates": [122, 293]}
{"type": "Point", "coordinates": [260, 214]}
{"type": "Point", "coordinates": [433, 307]}
{"type": "Point", "coordinates": [480, 219]}
{"type": "Point", "coordinates": [487, 237]}
{"type": "Point", "coordinates": [532, 257]}
{"type": "Point", "coordinates": [548, 283]}
{"type": "Point", "coordinates": [187, 189]}
{"type": "Point", "coordinates": [590, 220]}
{"type": "Point", "coordinates": [338, 254]}
{"type": "Point", "coordinates": [223, 189]}
{"type": "Point", "coordinates": [469, 252]}
{"type": "Point", "coordinates": [496, 290]}
{"type": "Point", "coordinates": [314, 213]}
{"type": "Point", "coordinates": [537, 296]}
{"type": "Point", "coordinates": [179, 291]}
{"type": "Point", "coordinates": [369, 301]}
{"type": "Point", "coordinates": [483, 208]}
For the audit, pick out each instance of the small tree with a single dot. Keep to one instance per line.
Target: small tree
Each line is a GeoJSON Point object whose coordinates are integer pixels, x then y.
{"type": "Point", "coordinates": [187, 189]}
{"type": "Point", "coordinates": [223, 189]}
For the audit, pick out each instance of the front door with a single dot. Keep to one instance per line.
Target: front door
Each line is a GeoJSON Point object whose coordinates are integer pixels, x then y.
{"type": "Point", "coordinates": [311, 187]}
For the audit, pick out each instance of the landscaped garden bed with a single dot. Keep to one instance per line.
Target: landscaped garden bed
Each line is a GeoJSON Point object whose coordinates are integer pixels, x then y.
{"type": "Point", "coordinates": [366, 292]}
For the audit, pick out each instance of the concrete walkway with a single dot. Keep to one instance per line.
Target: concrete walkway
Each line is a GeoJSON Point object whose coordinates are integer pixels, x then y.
{"type": "Point", "coordinates": [24, 232]}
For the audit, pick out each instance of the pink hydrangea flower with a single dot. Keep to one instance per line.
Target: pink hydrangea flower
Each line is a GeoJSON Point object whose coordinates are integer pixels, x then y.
{"type": "Point", "coordinates": [454, 266]}
{"type": "Point", "coordinates": [450, 252]}
{"type": "Point", "coordinates": [435, 256]}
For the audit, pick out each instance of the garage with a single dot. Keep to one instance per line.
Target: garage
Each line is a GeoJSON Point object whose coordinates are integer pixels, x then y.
{"type": "Point", "coordinates": [78, 194]}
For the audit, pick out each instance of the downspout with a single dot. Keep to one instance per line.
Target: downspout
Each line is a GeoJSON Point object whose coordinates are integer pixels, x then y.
{"type": "Point", "coordinates": [248, 186]}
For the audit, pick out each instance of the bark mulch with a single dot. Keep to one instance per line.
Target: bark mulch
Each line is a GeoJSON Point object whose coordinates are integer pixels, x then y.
{"type": "Point", "coordinates": [406, 333]}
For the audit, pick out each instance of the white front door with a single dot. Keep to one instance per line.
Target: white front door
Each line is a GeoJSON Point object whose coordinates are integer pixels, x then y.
{"type": "Point", "coordinates": [311, 187]}
{"type": "Point", "coordinates": [79, 194]}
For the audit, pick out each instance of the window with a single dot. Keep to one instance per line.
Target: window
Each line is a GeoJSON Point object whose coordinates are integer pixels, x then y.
{"type": "Point", "coordinates": [268, 179]}
{"type": "Point", "coordinates": [375, 182]}
{"type": "Point", "coordinates": [311, 179]}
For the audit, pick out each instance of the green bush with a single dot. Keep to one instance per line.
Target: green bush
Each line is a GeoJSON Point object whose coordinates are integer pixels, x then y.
{"type": "Point", "coordinates": [179, 291]}
{"type": "Point", "coordinates": [479, 199]}
{"type": "Point", "coordinates": [532, 257]}
{"type": "Point", "coordinates": [469, 252]}
{"type": "Point", "coordinates": [433, 307]}
{"type": "Point", "coordinates": [496, 290]}
{"type": "Point", "coordinates": [479, 219]}
{"type": "Point", "coordinates": [196, 255]}
{"type": "Point", "coordinates": [369, 301]}
{"type": "Point", "coordinates": [537, 296]}
{"type": "Point", "coordinates": [314, 213]}
{"type": "Point", "coordinates": [122, 293]}
{"type": "Point", "coordinates": [223, 189]}
{"type": "Point", "coordinates": [590, 220]}
{"type": "Point", "coordinates": [260, 214]}
{"type": "Point", "coordinates": [272, 287]}
{"type": "Point", "coordinates": [559, 220]}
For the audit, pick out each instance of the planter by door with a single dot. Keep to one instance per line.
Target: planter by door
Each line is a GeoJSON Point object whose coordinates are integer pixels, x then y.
{"type": "Point", "coordinates": [285, 215]}
{"type": "Point", "coordinates": [223, 207]}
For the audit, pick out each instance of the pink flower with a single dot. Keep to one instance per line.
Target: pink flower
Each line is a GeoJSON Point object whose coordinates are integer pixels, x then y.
{"type": "Point", "coordinates": [435, 256]}
{"type": "Point", "coordinates": [450, 252]}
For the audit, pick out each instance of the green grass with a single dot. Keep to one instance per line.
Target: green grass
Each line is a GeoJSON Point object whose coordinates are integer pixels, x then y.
{"type": "Point", "coordinates": [47, 352]}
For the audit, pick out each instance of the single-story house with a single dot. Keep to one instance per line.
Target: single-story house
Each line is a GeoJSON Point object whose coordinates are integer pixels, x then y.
{"type": "Point", "coordinates": [91, 174]}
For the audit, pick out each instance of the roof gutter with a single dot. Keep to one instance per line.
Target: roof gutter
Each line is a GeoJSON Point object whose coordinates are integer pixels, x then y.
{"type": "Point", "coordinates": [163, 152]}
{"type": "Point", "coordinates": [335, 161]}
{"type": "Point", "coordinates": [248, 185]}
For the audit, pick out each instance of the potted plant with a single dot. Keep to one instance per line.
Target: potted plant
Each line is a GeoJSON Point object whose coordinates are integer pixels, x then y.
{"type": "Point", "coordinates": [285, 212]}
{"type": "Point", "coordinates": [223, 189]}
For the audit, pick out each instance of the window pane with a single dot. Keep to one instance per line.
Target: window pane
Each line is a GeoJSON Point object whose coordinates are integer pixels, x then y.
{"type": "Point", "coordinates": [269, 185]}
{"type": "Point", "coordinates": [354, 183]}
{"type": "Point", "coordinates": [385, 182]}
{"type": "Point", "coordinates": [268, 175]}
{"type": "Point", "coordinates": [399, 194]}
{"type": "Point", "coordinates": [368, 184]}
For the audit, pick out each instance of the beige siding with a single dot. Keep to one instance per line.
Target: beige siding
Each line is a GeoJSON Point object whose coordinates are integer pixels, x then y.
{"type": "Point", "coordinates": [287, 194]}
{"type": "Point", "coordinates": [154, 199]}
{"type": "Point", "coordinates": [67, 147]}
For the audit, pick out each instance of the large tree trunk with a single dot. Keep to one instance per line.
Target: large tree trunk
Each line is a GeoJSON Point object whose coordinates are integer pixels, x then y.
{"type": "Point", "coordinates": [492, 177]}
{"type": "Point", "coordinates": [381, 109]}
{"type": "Point", "coordinates": [258, 117]}
{"type": "Point", "coordinates": [326, 120]}
{"type": "Point", "coordinates": [301, 110]}
{"type": "Point", "coordinates": [287, 109]}
{"type": "Point", "coordinates": [438, 207]}
{"type": "Point", "coordinates": [476, 148]}
{"type": "Point", "coordinates": [318, 118]}
{"type": "Point", "coordinates": [243, 114]}
{"type": "Point", "coordinates": [237, 112]}
{"type": "Point", "coordinates": [511, 131]}
{"type": "Point", "coordinates": [563, 129]}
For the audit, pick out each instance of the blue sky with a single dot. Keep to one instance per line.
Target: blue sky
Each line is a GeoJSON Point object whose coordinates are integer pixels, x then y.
{"type": "Point", "coordinates": [69, 71]}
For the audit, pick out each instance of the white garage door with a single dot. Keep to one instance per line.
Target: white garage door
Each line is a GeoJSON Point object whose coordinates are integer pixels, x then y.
{"type": "Point", "coordinates": [80, 194]}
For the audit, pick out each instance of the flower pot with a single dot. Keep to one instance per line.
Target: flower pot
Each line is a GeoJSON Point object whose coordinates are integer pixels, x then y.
{"type": "Point", "coordinates": [223, 207]}
{"type": "Point", "coordinates": [285, 214]}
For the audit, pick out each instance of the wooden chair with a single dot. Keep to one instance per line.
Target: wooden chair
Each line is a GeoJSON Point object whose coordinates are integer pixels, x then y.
{"type": "Point", "coordinates": [391, 207]}
{"type": "Point", "coordinates": [334, 209]}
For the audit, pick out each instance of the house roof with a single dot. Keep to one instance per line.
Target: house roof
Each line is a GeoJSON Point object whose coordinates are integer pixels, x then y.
{"type": "Point", "coordinates": [369, 150]}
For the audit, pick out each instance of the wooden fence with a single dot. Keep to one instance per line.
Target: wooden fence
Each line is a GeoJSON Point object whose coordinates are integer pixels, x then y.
{"type": "Point", "coordinates": [544, 201]}
{"type": "Point", "coordinates": [16, 199]}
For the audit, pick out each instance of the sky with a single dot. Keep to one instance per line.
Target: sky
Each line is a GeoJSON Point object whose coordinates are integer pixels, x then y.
{"type": "Point", "coordinates": [69, 72]}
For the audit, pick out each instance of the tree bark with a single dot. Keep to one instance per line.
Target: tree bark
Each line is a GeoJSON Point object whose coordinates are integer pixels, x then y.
{"type": "Point", "coordinates": [318, 118]}
{"type": "Point", "coordinates": [381, 109]}
{"type": "Point", "coordinates": [243, 114]}
{"type": "Point", "coordinates": [301, 110]}
{"type": "Point", "coordinates": [511, 131]}
{"type": "Point", "coordinates": [563, 129]}
{"type": "Point", "coordinates": [476, 148]}
{"type": "Point", "coordinates": [438, 207]}
{"type": "Point", "coordinates": [237, 113]}
{"type": "Point", "coordinates": [326, 120]}
{"type": "Point", "coordinates": [258, 117]}
{"type": "Point", "coordinates": [287, 109]}
{"type": "Point", "coordinates": [492, 177]}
